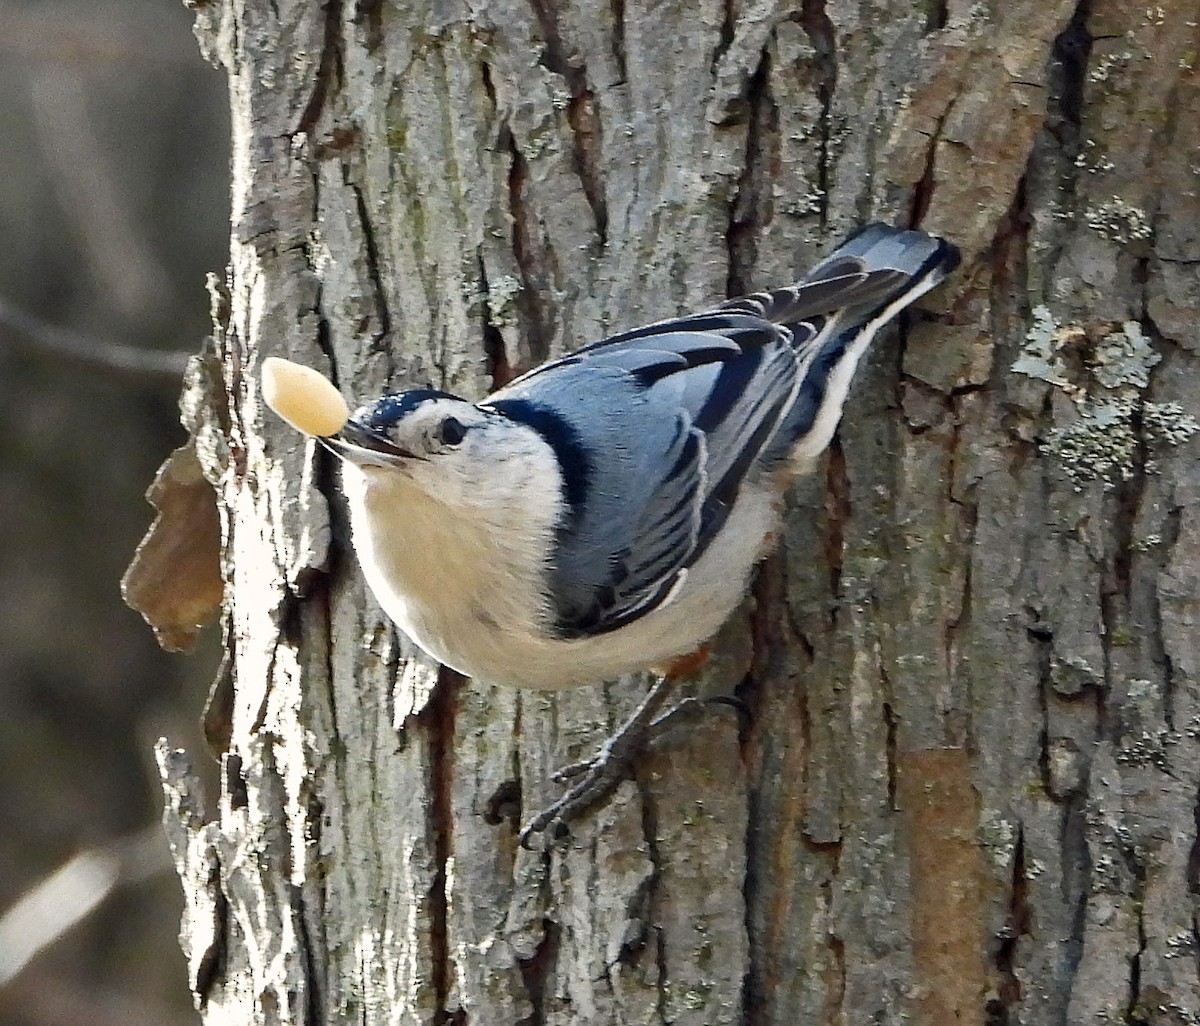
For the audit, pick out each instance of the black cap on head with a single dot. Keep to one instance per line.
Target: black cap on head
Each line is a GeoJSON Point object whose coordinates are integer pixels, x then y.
{"type": "Point", "coordinates": [390, 409]}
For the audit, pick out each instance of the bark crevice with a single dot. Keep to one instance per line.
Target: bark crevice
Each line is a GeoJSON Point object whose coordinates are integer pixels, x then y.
{"type": "Point", "coordinates": [536, 329]}
{"type": "Point", "coordinates": [727, 33]}
{"type": "Point", "coordinates": [313, 1005]}
{"type": "Point", "coordinates": [438, 721]}
{"type": "Point", "coordinates": [499, 372]}
{"type": "Point", "coordinates": [211, 967]}
{"type": "Point", "coordinates": [583, 114]}
{"type": "Point", "coordinates": [1005, 1006]}
{"type": "Point", "coordinates": [817, 25]}
{"type": "Point", "coordinates": [751, 208]}
{"type": "Point", "coordinates": [536, 972]}
{"type": "Point", "coordinates": [329, 69]}
{"type": "Point", "coordinates": [617, 45]}
{"type": "Point", "coordinates": [838, 511]}
{"type": "Point", "coordinates": [369, 13]}
{"type": "Point", "coordinates": [374, 274]}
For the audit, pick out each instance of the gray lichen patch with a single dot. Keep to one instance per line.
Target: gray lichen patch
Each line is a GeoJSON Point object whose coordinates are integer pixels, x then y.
{"type": "Point", "coordinates": [499, 296]}
{"type": "Point", "coordinates": [1168, 423]}
{"type": "Point", "coordinates": [1148, 748]}
{"type": "Point", "coordinates": [1104, 443]}
{"type": "Point", "coordinates": [1146, 738]}
{"type": "Point", "coordinates": [1100, 445]}
{"type": "Point", "coordinates": [1119, 221]}
{"type": "Point", "coordinates": [1043, 356]}
{"type": "Point", "coordinates": [1092, 159]}
{"type": "Point", "coordinates": [1124, 358]}
{"type": "Point", "coordinates": [1104, 369]}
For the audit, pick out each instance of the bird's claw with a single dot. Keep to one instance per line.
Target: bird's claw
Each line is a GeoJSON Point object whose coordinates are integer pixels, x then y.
{"type": "Point", "coordinates": [599, 777]}
{"type": "Point", "coordinates": [596, 778]}
{"type": "Point", "coordinates": [575, 769]}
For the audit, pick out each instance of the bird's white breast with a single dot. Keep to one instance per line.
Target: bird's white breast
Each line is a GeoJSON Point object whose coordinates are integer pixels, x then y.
{"type": "Point", "coordinates": [462, 586]}
{"type": "Point", "coordinates": [461, 589]}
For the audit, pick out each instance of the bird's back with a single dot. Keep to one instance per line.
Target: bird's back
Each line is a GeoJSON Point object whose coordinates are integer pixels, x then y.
{"type": "Point", "coordinates": [657, 430]}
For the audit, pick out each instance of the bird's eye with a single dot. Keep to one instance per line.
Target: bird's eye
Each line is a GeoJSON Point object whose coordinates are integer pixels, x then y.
{"type": "Point", "coordinates": [451, 432]}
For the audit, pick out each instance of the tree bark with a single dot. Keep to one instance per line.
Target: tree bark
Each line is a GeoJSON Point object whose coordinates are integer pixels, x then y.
{"type": "Point", "coordinates": [965, 787]}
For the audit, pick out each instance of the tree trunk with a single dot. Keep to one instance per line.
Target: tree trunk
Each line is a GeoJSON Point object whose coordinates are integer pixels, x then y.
{"type": "Point", "coordinates": [965, 786]}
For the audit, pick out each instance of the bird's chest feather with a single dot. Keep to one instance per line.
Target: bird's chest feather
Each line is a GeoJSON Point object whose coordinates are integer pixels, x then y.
{"type": "Point", "coordinates": [454, 580]}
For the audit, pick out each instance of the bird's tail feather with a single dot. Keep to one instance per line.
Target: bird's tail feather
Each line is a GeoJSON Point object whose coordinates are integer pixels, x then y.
{"type": "Point", "coordinates": [842, 303]}
{"type": "Point", "coordinates": [875, 266]}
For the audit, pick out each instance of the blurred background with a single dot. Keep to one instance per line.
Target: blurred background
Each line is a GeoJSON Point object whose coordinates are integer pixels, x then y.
{"type": "Point", "coordinates": [113, 206]}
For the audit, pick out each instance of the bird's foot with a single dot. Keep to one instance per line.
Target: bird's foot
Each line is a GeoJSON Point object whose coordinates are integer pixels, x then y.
{"type": "Point", "coordinates": [596, 778]}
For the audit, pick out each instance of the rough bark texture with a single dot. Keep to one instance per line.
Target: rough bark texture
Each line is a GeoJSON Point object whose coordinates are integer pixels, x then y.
{"type": "Point", "coordinates": [966, 787]}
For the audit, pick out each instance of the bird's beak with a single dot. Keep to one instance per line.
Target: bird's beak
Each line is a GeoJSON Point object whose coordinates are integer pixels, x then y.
{"type": "Point", "coordinates": [364, 448]}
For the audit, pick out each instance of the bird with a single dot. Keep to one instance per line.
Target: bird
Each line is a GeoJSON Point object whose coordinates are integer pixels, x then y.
{"type": "Point", "coordinates": [603, 513]}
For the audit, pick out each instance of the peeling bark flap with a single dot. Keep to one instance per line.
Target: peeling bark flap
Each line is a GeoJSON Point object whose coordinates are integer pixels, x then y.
{"type": "Point", "coordinates": [174, 579]}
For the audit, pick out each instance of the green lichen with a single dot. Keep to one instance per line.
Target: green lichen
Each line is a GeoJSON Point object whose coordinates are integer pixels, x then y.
{"type": "Point", "coordinates": [538, 144]}
{"type": "Point", "coordinates": [1036, 791]}
{"type": "Point", "coordinates": [1145, 544]}
{"type": "Point", "coordinates": [1122, 637]}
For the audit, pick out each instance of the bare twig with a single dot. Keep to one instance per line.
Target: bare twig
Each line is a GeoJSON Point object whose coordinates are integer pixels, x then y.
{"type": "Point", "coordinates": [108, 357]}
{"type": "Point", "coordinates": [71, 893]}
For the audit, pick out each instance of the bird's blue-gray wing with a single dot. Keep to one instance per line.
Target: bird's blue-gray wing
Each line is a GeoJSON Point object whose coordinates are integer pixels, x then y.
{"type": "Point", "coordinates": [654, 437]}
{"type": "Point", "coordinates": [657, 428]}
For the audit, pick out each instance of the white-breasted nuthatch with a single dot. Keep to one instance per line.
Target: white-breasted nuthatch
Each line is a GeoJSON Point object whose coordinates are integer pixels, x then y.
{"type": "Point", "coordinates": [603, 512]}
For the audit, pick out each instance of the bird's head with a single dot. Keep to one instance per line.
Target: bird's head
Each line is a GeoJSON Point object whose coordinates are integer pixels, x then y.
{"type": "Point", "coordinates": [455, 452]}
